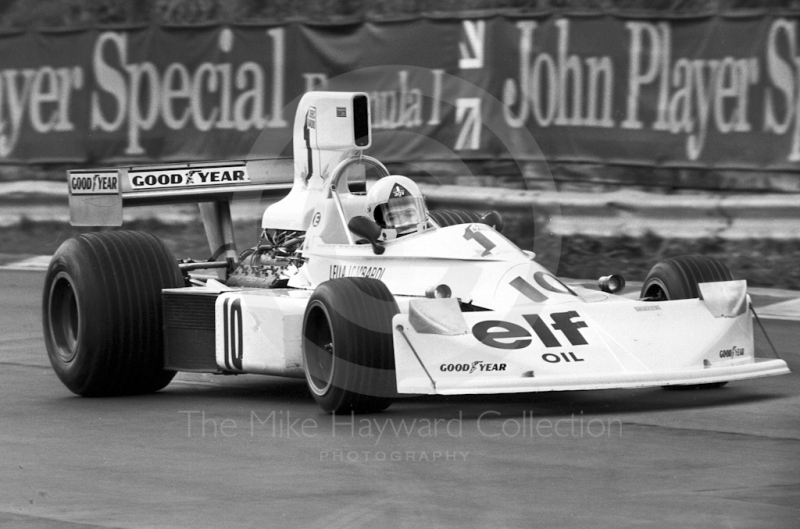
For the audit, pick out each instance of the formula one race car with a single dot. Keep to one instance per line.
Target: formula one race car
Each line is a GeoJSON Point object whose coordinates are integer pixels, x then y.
{"type": "Point", "coordinates": [363, 292]}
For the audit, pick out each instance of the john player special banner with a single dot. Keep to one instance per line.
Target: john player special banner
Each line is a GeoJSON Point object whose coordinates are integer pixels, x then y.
{"type": "Point", "coordinates": [715, 92]}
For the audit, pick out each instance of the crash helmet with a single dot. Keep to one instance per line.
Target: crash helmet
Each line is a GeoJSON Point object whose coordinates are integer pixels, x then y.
{"type": "Point", "coordinates": [397, 203]}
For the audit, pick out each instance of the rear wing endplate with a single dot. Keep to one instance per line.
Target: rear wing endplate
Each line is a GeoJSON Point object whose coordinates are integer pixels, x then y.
{"type": "Point", "coordinates": [98, 196]}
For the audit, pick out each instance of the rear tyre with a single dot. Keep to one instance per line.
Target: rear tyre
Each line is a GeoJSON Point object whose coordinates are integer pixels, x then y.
{"type": "Point", "coordinates": [348, 351]}
{"type": "Point", "coordinates": [102, 315]}
{"type": "Point", "coordinates": [678, 278]}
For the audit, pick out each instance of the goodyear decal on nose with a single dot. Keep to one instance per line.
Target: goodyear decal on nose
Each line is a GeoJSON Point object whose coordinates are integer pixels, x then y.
{"type": "Point", "coordinates": [143, 179]}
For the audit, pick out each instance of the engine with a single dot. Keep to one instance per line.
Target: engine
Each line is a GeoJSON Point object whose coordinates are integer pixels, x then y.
{"type": "Point", "coordinates": [271, 262]}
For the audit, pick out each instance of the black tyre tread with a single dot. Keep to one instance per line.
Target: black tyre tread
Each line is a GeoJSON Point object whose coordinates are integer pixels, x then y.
{"type": "Point", "coordinates": [123, 371]}
{"type": "Point", "coordinates": [452, 217]}
{"type": "Point", "coordinates": [361, 312]}
{"type": "Point", "coordinates": [123, 306]}
{"type": "Point", "coordinates": [697, 269]}
{"type": "Point", "coordinates": [372, 330]}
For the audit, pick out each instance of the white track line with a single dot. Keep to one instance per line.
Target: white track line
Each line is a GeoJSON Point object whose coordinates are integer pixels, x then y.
{"type": "Point", "coordinates": [39, 262]}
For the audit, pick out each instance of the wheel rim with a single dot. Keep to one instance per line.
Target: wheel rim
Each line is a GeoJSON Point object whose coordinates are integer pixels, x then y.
{"type": "Point", "coordinates": [64, 318]}
{"type": "Point", "coordinates": [319, 350]}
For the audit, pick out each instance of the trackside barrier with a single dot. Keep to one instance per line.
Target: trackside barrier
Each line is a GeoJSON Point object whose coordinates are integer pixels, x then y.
{"type": "Point", "coordinates": [635, 212]}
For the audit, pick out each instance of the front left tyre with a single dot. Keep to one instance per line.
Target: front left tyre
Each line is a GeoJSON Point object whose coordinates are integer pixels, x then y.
{"type": "Point", "coordinates": [102, 312]}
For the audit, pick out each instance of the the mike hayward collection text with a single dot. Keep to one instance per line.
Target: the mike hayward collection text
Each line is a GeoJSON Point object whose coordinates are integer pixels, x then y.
{"type": "Point", "coordinates": [489, 423]}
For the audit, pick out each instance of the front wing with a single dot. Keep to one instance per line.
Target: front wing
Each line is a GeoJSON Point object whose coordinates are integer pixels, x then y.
{"type": "Point", "coordinates": [573, 346]}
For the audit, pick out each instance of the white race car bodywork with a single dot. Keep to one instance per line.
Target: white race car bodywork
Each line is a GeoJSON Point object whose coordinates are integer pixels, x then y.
{"type": "Point", "coordinates": [540, 334]}
{"type": "Point", "coordinates": [627, 344]}
{"type": "Point", "coordinates": [505, 324]}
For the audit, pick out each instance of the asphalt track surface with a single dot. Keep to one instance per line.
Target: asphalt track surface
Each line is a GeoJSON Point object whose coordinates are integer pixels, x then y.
{"type": "Point", "coordinates": [253, 451]}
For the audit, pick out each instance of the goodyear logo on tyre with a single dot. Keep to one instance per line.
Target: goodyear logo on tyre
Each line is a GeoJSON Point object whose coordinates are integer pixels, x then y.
{"type": "Point", "coordinates": [145, 179]}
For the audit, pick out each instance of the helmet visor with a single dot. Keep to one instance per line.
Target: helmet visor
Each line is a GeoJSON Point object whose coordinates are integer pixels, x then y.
{"type": "Point", "coordinates": [403, 212]}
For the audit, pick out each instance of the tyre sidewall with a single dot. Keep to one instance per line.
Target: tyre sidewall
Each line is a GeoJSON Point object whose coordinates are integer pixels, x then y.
{"type": "Point", "coordinates": [72, 264]}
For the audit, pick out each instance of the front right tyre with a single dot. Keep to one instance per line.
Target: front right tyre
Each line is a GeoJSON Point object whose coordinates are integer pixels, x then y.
{"type": "Point", "coordinates": [348, 350]}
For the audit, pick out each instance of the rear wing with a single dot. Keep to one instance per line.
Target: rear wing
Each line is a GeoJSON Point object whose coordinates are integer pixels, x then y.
{"type": "Point", "coordinates": [329, 129]}
{"type": "Point", "coordinates": [97, 197]}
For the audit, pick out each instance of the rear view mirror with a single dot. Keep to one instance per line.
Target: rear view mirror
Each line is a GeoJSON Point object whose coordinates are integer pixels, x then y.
{"type": "Point", "coordinates": [368, 229]}
{"type": "Point", "coordinates": [494, 220]}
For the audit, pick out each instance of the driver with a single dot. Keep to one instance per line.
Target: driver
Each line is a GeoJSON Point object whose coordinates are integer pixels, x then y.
{"type": "Point", "coordinates": [397, 205]}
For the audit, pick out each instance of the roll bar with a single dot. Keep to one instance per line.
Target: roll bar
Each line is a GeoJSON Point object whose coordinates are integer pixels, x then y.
{"type": "Point", "coordinates": [337, 175]}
